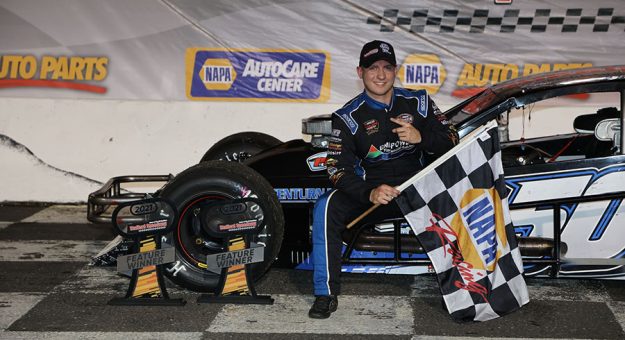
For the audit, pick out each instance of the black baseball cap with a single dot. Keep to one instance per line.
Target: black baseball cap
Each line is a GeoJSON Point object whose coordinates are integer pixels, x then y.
{"type": "Point", "coordinates": [376, 50]}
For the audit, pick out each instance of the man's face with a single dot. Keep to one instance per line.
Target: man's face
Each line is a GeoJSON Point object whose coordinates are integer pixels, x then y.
{"type": "Point", "coordinates": [378, 80]}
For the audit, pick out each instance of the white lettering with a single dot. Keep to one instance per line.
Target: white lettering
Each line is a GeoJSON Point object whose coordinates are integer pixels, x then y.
{"type": "Point", "coordinates": [280, 85]}
{"type": "Point", "coordinates": [276, 69]}
{"type": "Point", "coordinates": [177, 268]}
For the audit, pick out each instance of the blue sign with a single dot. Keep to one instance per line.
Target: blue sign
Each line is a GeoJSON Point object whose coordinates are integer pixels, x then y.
{"type": "Point", "coordinates": [275, 75]}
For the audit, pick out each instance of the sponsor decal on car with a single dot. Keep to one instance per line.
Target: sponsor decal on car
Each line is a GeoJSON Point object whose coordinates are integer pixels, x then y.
{"type": "Point", "coordinates": [422, 71]}
{"type": "Point", "coordinates": [317, 162]}
{"type": "Point", "coordinates": [589, 228]}
{"type": "Point", "coordinates": [257, 74]}
{"type": "Point", "coordinates": [474, 77]}
{"type": "Point", "coordinates": [62, 72]}
{"type": "Point", "coordinates": [295, 195]}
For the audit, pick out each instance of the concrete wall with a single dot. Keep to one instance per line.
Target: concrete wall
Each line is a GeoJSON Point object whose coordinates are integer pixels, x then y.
{"type": "Point", "coordinates": [56, 150]}
{"type": "Point", "coordinates": [77, 144]}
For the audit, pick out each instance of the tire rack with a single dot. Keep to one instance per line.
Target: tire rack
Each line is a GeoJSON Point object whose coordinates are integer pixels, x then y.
{"type": "Point", "coordinates": [112, 194]}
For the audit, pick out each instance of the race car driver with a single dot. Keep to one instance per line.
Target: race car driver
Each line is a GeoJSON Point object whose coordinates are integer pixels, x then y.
{"type": "Point", "coordinates": [379, 140]}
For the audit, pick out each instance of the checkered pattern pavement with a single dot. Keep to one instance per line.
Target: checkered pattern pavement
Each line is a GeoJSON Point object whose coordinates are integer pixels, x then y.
{"type": "Point", "coordinates": [48, 291]}
{"type": "Point", "coordinates": [541, 20]}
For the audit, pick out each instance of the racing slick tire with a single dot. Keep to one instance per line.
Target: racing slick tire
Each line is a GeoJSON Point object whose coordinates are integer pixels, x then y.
{"type": "Point", "coordinates": [240, 146]}
{"type": "Point", "coordinates": [200, 185]}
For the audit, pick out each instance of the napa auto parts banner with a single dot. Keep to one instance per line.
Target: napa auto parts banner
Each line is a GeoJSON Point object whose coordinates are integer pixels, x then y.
{"type": "Point", "coordinates": [300, 51]}
{"type": "Point", "coordinates": [257, 74]}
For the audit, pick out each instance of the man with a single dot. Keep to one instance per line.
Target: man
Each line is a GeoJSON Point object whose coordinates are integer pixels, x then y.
{"type": "Point", "coordinates": [379, 140]}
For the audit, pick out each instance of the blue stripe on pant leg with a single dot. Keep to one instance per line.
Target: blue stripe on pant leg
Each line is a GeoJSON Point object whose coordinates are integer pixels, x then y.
{"type": "Point", "coordinates": [320, 246]}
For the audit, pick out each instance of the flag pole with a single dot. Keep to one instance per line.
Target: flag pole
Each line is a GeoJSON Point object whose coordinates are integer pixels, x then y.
{"type": "Point", "coordinates": [430, 167]}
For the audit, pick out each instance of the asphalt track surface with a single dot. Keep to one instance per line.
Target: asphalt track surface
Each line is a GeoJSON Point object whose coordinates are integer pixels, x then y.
{"type": "Point", "coordinates": [48, 291]}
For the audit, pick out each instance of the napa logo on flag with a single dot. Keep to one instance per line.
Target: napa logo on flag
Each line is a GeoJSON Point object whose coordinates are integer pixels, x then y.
{"type": "Point", "coordinates": [456, 209]}
{"type": "Point", "coordinates": [481, 228]}
{"type": "Point", "coordinates": [479, 231]}
{"type": "Point", "coordinates": [257, 74]}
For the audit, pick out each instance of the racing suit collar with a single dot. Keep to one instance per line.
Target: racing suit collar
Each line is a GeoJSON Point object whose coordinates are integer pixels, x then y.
{"type": "Point", "coordinates": [376, 105]}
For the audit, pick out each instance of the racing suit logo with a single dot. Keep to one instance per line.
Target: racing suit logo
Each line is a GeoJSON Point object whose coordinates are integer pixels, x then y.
{"type": "Point", "coordinates": [373, 152]}
{"type": "Point", "coordinates": [406, 117]}
{"type": "Point", "coordinates": [317, 162]}
{"type": "Point", "coordinates": [389, 150]}
{"type": "Point", "coordinates": [372, 126]}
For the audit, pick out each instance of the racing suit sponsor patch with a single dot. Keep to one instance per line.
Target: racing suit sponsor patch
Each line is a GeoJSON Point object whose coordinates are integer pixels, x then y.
{"type": "Point", "coordinates": [334, 147]}
{"type": "Point", "coordinates": [336, 176]}
{"type": "Point", "coordinates": [317, 162]}
{"type": "Point", "coordinates": [349, 121]}
{"type": "Point", "coordinates": [389, 150]}
{"type": "Point", "coordinates": [406, 117]}
{"type": "Point", "coordinates": [422, 108]}
{"type": "Point", "coordinates": [371, 126]}
{"type": "Point", "coordinates": [436, 110]}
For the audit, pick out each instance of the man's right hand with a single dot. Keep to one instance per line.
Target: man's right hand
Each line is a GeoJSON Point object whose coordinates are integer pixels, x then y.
{"type": "Point", "coordinates": [383, 194]}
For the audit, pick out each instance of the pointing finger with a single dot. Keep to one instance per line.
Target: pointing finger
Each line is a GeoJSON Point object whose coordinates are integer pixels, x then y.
{"type": "Point", "coordinates": [400, 122]}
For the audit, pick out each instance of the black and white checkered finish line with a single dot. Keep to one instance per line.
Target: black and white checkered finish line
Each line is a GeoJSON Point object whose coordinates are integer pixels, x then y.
{"type": "Point", "coordinates": [571, 20]}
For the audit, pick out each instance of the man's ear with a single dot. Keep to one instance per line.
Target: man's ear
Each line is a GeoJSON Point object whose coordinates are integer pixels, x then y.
{"type": "Point", "coordinates": [360, 71]}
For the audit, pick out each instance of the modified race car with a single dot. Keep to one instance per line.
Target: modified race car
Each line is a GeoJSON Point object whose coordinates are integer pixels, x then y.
{"type": "Point", "coordinates": [566, 188]}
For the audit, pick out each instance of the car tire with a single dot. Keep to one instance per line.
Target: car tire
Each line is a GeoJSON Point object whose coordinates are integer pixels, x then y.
{"type": "Point", "coordinates": [204, 183]}
{"type": "Point", "coordinates": [240, 146]}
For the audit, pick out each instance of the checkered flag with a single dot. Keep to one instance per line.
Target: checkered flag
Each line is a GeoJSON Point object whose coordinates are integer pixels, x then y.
{"type": "Point", "coordinates": [457, 207]}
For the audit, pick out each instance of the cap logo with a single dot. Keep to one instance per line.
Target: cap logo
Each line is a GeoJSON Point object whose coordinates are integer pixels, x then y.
{"type": "Point", "coordinates": [385, 48]}
{"type": "Point", "coordinates": [374, 51]}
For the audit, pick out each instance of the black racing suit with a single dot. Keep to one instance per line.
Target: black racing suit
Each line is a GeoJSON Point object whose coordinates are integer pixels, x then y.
{"type": "Point", "coordinates": [364, 153]}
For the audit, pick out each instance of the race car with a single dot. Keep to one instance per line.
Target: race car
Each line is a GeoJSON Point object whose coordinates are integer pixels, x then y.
{"type": "Point", "coordinates": [566, 188]}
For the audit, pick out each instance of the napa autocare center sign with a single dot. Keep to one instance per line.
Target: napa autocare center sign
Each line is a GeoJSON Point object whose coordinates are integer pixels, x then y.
{"type": "Point", "coordinates": [257, 74]}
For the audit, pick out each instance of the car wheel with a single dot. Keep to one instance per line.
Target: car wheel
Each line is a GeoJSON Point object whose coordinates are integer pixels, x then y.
{"type": "Point", "coordinates": [200, 185]}
{"type": "Point", "coordinates": [240, 146]}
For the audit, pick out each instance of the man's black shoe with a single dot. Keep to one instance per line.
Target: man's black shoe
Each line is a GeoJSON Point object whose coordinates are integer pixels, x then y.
{"type": "Point", "coordinates": [323, 306]}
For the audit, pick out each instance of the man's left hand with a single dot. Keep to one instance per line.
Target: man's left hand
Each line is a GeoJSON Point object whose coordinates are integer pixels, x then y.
{"type": "Point", "coordinates": [406, 131]}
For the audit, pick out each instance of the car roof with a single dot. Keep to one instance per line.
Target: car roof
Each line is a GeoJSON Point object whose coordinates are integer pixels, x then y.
{"type": "Point", "coordinates": [542, 81]}
{"type": "Point", "coordinates": [562, 78]}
